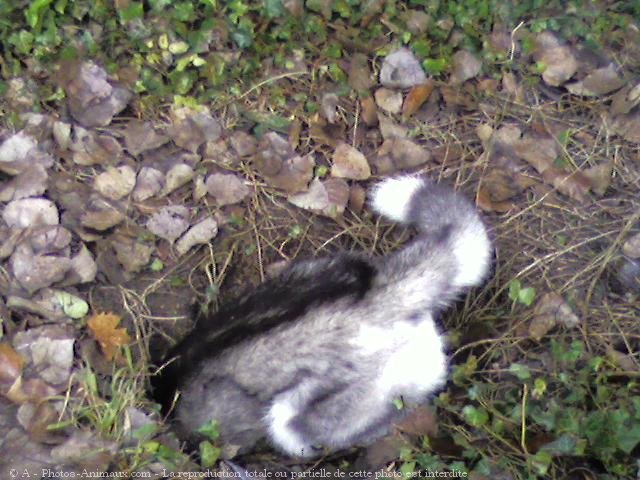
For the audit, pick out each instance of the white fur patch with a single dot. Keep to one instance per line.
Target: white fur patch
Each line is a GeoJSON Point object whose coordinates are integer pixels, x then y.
{"type": "Point", "coordinates": [392, 196]}
{"type": "Point", "coordinates": [416, 364]}
{"type": "Point", "coordinates": [280, 414]}
{"type": "Point", "coordinates": [472, 250]}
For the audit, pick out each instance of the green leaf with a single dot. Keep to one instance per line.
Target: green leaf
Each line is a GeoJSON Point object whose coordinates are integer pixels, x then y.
{"type": "Point", "coordinates": [36, 11]}
{"type": "Point", "coordinates": [156, 265]}
{"type": "Point", "coordinates": [131, 12]}
{"type": "Point", "coordinates": [541, 462]}
{"type": "Point", "coordinates": [211, 430]}
{"type": "Point", "coordinates": [545, 418]}
{"type": "Point", "coordinates": [145, 431]}
{"type": "Point", "coordinates": [429, 462]}
{"type": "Point", "coordinates": [521, 371]}
{"type": "Point", "coordinates": [398, 403]}
{"type": "Point", "coordinates": [539, 387]}
{"type": "Point", "coordinates": [421, 48]}
{"type": "Point", "coordinates": [565, 444]}
{"type": "Point", "coordinates": [407, 469]}
{"type": "Point", "coordinates": [208, 454]}
{"type": "Point", "coordinates": [22, 40]}
{"type": "Point", "coordinates": [273, 8]}
{"type": "Point", "coordinates": [183, 11]}
{"type": "Point", "coordinates": [242, 37]}
{"type": "Point", "coordinates": [269, 121]}
{"type": "Point", "coordinates": [72, 306]}
{"type": "Point", "coordinates": [627, 431]}
{"type": "Point", "coordinates": [435, 66]}
{"type": "Point", "coordinates": [526, 296]}
{"type": "Point", "coordinates": [514, 289]}
{"type": "Point", "coordinates": [475, 416]}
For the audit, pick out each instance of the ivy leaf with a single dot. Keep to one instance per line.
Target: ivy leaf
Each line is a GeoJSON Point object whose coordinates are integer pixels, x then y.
{"type": "Point", "coordinates": [514, 288]}
{"type": "Point", "coordinates": [435, 66]}
{"type": "Point", "coordinates": [541, 462]}
{"type": "Point", "coordinates": [211, 430]}
{"type": "Point", "coordinates": [521, 371]}
{"type": "Point", "coordinates": [475, 417]}
{"type": "Point", "coordinates": [131, 12]}
{"type": "Point", "coordinates": [565, 444]}
{"type": "Point", "coordinates": [36, 11]}
{"type": "Point", "coordinates": [209, 454]}
{"type": "Point", "coordinates": [273, 8]}
{"type": "Point", "coordinates": [526, 296]}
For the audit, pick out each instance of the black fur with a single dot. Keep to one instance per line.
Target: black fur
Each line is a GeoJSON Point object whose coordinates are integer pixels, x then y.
{"type": "Point", "coordinates": [273, 303]}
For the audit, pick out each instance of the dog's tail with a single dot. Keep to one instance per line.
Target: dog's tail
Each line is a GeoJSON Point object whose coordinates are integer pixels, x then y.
{"type": "Point", "coordinates": [452, 251]}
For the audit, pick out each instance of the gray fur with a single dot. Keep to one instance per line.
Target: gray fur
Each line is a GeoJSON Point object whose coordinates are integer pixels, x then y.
{"type": "Point", "coordinates": [332, 388]}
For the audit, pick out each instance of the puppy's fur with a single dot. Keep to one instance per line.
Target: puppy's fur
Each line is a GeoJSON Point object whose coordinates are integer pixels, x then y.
{"type": "Point", "coordinates": [314, 358]}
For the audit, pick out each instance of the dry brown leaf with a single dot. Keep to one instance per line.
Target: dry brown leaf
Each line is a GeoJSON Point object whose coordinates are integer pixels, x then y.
{"type": "Point", "coordinates": [500, 185]}
{"type": "Point", "coordinates": [349, 162]}
{"type": "Point", "coordinates": [416, 97]}
{"type": "Point", "coordinates": [191, 128]}
{"type": "Point", "coordinates": [280, 166]}
{"type": "Point", "coordinates": [540, 152]}
{"type": "Point", "coordinates": [359, 74]}
{"type": "Point", "coordinates": [142, 136]}
{"type": "Point", "coordinates": [30, 212]}
{"type": "Point", "coordinates": [11, 364]}
{"type": "Point", "coordinates": [388, 100]}
{"type": "Point", "coordinates": [328, 197]}
{"type": "Point", "coordinates": [465, 66]}
{"type": "Point", "coordinates": [560, 63]}
{"type": "Point", "coordinates": [631, 247]}
{"type": "Point", "coordinates": [457, 97]}
{"type": "Point", "coordinates": [483, 200]}
{"type": "Point", "coordinates": [401, 69]}
{"type": "Point", "coordinates": [148, 183]}
{"type": "Point", "coordinates": [625, 99]}
{"type": "Point", "coordinates": [132, 254]}
{"type": "Point", "coordinates": [575, 185]}
{"type": "Point", "coordinates": [88, 148]}
{"type": "Point", "coordinates": [101, 214]}
{"type": "Point", "coordinates": [169, 222]}
{"type": "Point", "coordinates": [404, 153]}
{"type": "Point", "coordinates": [447, 154]}
{"type": "Point", "coordinates": [35, 271]}
{"type": "Point", "coordinates": [177, 176]}
{"type": "Point", "coordinates": [512, 87]}
{"type": "Point", "coordinates": [115, 182]}
{"type": "Point", "coordinates": [226, 188]}
{"type": "Point", "coordinates": [104, 329]}
{"type": "Point", "coordinates": [599, 82]}
{"type": "Point", "coordinates": [628, 126]}
{"type": "Point", "coordinates": [329, 106]}
{"type": "Point", "coordinates": [31, 182]}
{"type": "Point", "coordinates": [369, 111]}
{"type": "Point", "coordinates": [390, 129]}
{"type": "Point", "coordinates": [92, 100]}
{"type": "Point", "coordinates": [357, 197]}
{"type": "Point", "coordinates": [324, 133]}
{"type": "Point", "coordinates": [600, 176]}
{"type": "Point", "coordinates": [421, 421]}
{"type": "Point", "coordinates": [551, 310]}
{"type": "Point", "coordinates": [201, 232]}
{"type": "Point", "coordinates": [625, 361]}
{"type": "Point", "coordinates": [244, 144]}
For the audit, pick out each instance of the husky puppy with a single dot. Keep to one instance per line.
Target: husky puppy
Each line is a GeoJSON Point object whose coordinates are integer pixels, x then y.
{"type": "Point", "coordinates": [314, 358]}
